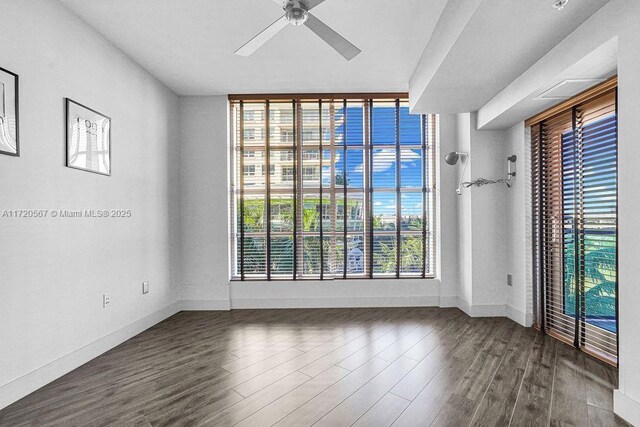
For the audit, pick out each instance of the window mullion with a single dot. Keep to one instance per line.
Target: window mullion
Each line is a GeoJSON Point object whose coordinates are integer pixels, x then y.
{"type": "Point", "coordinates": [617, 228]}
{"type": "Point", "coordinates": [298, 201]}
{"type": "Point", "coordinates": [398, 182]}
{"type": "Point", "coordinates": [425, 184]}
{"type": "Point", "coordinates": [267, 159]}
{"type": "Point", "coordinates": [241, 173]}
{"type": "Point", "coordinates": [333, 208]}
{"type": "Point", "coordinates": [320, 191]}
{"type": "Point", "coordinates": [371, 218]}
{"type": "Point", "coordinates": [344, 184]}
{"type": "Point", "coordinates": [368, 200]}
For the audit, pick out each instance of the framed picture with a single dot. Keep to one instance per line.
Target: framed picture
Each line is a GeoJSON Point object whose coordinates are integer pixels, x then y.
{"type": "Point", "coordinates": [88, 139]}
{"type": "Point", "coordinates": [9, 127]}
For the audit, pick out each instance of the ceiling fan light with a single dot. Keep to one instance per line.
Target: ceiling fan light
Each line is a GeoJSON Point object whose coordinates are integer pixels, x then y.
{"type": "Point", "coordinates": [296, 14]}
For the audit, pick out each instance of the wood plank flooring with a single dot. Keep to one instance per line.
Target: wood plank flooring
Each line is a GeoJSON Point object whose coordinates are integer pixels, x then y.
{"type": "Point", "coordinates": [329, 367]}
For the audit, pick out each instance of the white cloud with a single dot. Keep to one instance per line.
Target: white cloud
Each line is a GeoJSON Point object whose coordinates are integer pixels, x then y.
{"type": "Point", "coordinates": [385, 159]}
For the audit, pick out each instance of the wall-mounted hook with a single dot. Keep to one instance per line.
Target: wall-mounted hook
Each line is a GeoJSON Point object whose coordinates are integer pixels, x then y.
{"type": "Point", "coordinates": [511, 159]}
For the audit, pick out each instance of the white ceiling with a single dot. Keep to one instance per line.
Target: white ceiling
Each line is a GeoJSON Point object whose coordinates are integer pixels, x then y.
{"type": "Point", "coordinates": [189, 44]}
{"type": "Point", "coordinates": [601, 63]}
{"type": "Point", "coordinates": [501, 40]}
{"type": "Point", "coordinates": [591, 51]}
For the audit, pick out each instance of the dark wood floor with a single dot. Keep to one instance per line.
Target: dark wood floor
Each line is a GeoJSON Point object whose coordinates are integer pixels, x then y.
{"type": "Point", "coordinates": [329, 367]}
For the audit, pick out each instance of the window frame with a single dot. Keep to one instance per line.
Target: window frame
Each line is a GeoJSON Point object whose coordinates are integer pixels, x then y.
{"type": "Point", "coordinates": [302, 149]}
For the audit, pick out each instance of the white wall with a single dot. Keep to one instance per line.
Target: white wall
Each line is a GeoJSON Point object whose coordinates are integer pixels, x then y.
{"type": "Point", "coordinates": [627, 399]}
{"type": "Point", "coordinates": [585, 53]}
{"type": "Point", "coordinates": [518, 226]}
{"type": "Point", "coordinates": [205, 240]}
{"type": "Point", "coordinates": [448, 265]}
{"type": "Point", "coordinates": [488, 160]}
{"type": "Point", "coordinates": [483, 237]}
{"type": "Point", "coordinates": [54, 271]}
{"type": "Point", "coordinates": [204, 198]}
{"type": "Point", "coordinates": [335, 293]}
{"type": "Point", "coordinates": [464, 210]}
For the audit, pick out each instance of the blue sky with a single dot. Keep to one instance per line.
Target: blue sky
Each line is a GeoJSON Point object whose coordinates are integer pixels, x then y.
{"type": "Point", "coordinates": [384, 156]}
{"type": "Point", "coordinates": [599, 181]}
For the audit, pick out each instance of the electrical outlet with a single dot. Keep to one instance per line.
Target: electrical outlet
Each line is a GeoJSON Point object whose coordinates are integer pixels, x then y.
{"type": "Point", "coordinates": [509, 280]}
{"type": "Point", "coordinates": [106, 300]}
{"type": "Point", "coordinates": [145, 287]}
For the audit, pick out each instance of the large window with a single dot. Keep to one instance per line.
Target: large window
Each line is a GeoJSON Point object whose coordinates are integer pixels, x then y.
{"type": "Point", "coordinates": [574, 167]}
{"type": "Point", "coordinates": [349, 194]}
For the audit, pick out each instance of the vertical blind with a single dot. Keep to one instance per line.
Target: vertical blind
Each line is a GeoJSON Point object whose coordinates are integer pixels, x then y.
{"type": "Point", "coordinates": [331, 188]}
{"type": "Point", "coordinates": [574, 195]}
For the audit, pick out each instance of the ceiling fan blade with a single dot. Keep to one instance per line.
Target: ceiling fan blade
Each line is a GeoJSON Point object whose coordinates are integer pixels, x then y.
{"type": "Point", "coordinates": [333, 39]}
{"type": "Point", "coordinates": [313, 3]}
{"type": "Point", "coordinates": [252, 45]}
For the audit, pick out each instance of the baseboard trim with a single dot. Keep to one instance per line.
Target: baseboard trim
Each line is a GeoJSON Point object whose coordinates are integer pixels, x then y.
{"type": "Point", "coordinates": [487, 310]}
{"type": "Point", "coordinates": [449, 301]}
{"type": "Point", "coordinates": [626, 407]}
{"type": "Point", "coordinates": [345, 302]}
{"type": "Point", "coordinates": [23, 386]}
{"type": "Point", "coordinates": [205, 305]}
{"type": "Point", "coordinates": [518, 316]}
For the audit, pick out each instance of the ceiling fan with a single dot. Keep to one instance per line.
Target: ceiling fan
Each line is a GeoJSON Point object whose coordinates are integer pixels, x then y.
{"type": "Point", "coordinates": [297, 13]}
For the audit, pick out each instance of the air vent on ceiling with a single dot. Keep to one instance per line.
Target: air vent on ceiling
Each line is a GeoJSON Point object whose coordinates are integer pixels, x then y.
{"type": "Point", "coordinates": [568, 88]}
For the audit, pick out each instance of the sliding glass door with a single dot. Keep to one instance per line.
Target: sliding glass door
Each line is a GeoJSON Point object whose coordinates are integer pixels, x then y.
{"type": "Point", "coordinates": [574, 176]}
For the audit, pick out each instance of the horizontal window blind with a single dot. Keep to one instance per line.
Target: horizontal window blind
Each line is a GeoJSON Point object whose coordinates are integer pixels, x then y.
{"type": "Point", "coordinates": [574, 207]}
{"type": "Point", "coordinates": [331, 188]}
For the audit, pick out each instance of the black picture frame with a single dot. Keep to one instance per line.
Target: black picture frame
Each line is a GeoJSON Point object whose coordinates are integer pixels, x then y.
{"type": "Point", "coordinates": [69, 105]}
{"type": "Point", "coordinates": [17, 111]}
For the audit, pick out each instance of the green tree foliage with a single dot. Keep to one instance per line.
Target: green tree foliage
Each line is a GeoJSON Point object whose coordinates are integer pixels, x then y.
{"type": "Point", "coordinates": [600, 276]}
{"type": "Point", "coordinates": [411, 254]}
{"type": "Point", "coordinates": [282, 220]}
{"type": "Point", "coordinates": [384, 255]}
{"type": "Point", "coordinates": [254, 216]}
